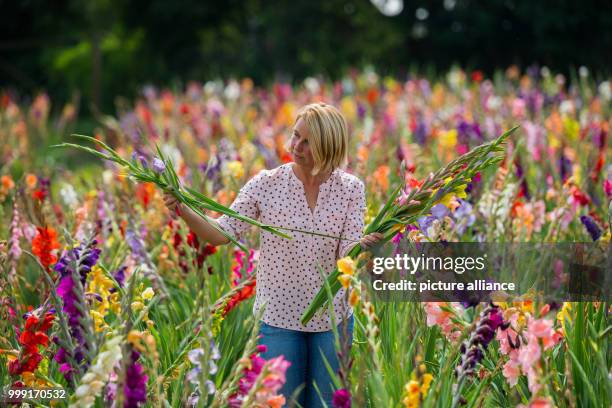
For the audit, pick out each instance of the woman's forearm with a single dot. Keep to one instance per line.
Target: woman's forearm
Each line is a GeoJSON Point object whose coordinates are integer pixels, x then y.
{"type": "Point", "coordinates": [202, 229]}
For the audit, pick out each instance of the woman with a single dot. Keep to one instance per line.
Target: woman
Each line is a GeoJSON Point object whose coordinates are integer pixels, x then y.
{"type": "Point", "coordinates": [312, 193]}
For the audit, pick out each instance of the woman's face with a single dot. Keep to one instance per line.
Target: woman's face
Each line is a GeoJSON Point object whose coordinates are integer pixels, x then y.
{"type": "Point", "coordinates": [300, 147]}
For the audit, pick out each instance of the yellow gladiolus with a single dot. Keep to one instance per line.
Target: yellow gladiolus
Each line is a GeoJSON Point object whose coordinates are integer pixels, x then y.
{"type": "Point", "coordinates": [148, 294]}
{"type": "Point", "coordinates": [572, 128]}
{"type": "Point", "coordinates": [412, 387]}
{"type": "Point", "coordinates": [354, 298]}
{"type": "Point", "coordinates": [427, 379]}
{"type": "Point", "coordinates": [448, 139]}
{"type": "Point", "coordinates": [458, 192]}
{"type": "Point", "coordinates": [345, 280]}
{"type": "Point", "coordinates": [346, 265]}
{"type": "Point", "coordinates": [234, 169]}
{"type": "Point", "coordinates": [565, 314]}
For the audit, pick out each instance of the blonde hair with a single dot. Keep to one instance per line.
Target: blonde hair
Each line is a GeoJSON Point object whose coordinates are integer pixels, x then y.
{"type": "Point", "coordinates": [329, 137]}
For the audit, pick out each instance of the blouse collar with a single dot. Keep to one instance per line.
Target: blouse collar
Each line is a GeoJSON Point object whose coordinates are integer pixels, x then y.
{"type": "Point", "coordinates": [296, 181]}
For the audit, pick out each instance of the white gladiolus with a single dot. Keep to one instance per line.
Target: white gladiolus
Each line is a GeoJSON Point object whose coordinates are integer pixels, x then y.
{"type": "Point", "coordinates": [566, 107]}
{"type": "Point", "coordinates": [98, 374]}
{"type": "Point", "coordinates": [89, 377]}
{"type": "Point", "coordinates": [107, 176]}
{"type": "Point", "coordinates": [69, 195]}
{"type": "Point", "coordinates": [173, 153]}
{"type": "Point", "coordinates": [83, 391]}
{"type": "Point", "coordinates": [312, 85]}
{"type": "Point", "coordinates": [232, 91]}
{"type": "Point", "coordinates": [605, 90]}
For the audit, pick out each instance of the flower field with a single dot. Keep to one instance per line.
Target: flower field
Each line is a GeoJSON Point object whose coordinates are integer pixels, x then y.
{"type": "Point", "coordinates": [108, 296]}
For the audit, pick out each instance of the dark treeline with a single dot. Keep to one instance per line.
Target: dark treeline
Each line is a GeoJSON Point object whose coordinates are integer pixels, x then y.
{"type": "Point", "coordinates": [108, 48]}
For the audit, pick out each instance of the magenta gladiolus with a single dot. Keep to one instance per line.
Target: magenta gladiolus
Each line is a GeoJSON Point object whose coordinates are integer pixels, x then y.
{"type": "Point", "coordinates": [341, 398]}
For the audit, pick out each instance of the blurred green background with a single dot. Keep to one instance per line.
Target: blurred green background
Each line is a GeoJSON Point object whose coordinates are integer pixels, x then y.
{"type": "Point", "coordinates": [104, 49]}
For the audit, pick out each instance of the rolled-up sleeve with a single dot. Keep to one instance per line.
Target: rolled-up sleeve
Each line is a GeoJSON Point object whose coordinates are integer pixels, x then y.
{"type": "Point", "coordinates": [353, 226]}
{"type": "Point", "coordinates": [246, 203]}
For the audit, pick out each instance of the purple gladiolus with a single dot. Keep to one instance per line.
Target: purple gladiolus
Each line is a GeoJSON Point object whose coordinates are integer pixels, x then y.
{"type": "Point", "coordinates": [565, 167]}
{"type": "Point", "coordinates": [472, 351]}
{"type": "Point", "coordinates": [158, 165]}
{"type": "Point", "coordinates": [135, 388]}
{"type": "Point", "coordinates": [119, 275]}
{"type": "Point", "coordinates": [475, 180]}
{"type": "Point", "coordinates": [143, 162]}
{"type": "Point", "coordinates": [591, 227]}
{"type": "Point", "coordinates": [468, 133]}
{"type": "Point", "coordinates": [438, 212]}
{"type": "Point", "coordinates": [361, 110]}
{"type": "Point", "coordinates": [85, 257]}
{"type": "Point", "coordinates": [464, 216]}
{"type": "Point", "coordinates": [420, 133]}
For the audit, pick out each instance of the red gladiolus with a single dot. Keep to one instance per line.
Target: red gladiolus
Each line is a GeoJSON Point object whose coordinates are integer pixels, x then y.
{"type": "Point", "coordinates": [477, 76]}
{"type": "Point", "coordinates": [515, 205]}
{"type": "Point", "coordinates": [184, 109]}
{"type": "Point", "coordinates": [246, 292]}
{"type": "Point", "coordinates": [34, 335]}
{"type": "Point", "coordinates": [144, 192]}
{"type": "Point", "coordinates": [580, 197]}
{"type": "Point", "coordinates": [28, 363]}
{"type": "Point", "coordinates": [203, 252]}
{"type": "Point", "coordinates": [372, 95]}
{"type": "Point", "coordinates": [39, 195]}
{"type": "Point", "coordinates": [59, 214]}
{"type": "Point", "coordinates": [43, 244]}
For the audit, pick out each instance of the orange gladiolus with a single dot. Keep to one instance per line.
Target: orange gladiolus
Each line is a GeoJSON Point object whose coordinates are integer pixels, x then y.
{"type": "Point", "coordinates": [145, 192]}
{"type": "Point", "coordinates": [381, 175]}
{"type": "Point", "coordinates": [7, 183]}
{"type": "Point", "coordinates": [31, 180]}
{"type": "Point", "coordinates": [362, 153]}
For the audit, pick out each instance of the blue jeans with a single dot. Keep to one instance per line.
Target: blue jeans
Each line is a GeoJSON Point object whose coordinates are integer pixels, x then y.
{"type": "Point", "coordinates": [306, 352]}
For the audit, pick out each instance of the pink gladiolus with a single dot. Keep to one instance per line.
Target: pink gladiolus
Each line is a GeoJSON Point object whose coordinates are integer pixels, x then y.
{"type": "Point", "coordinates": [530, 353]}
{"type": "Point", "coordinates": [16, 234]}
{"type": "Point", "coordinates": [437, 316]}
{"type": "Point", "coordinates": [608, 187]}
{"type": "Point", "coordinates": [532, 380]}
{"type": "Point", "coordinates": [397, 238]}
{"type": "Point", "coordinates": [539, 328]}
{"type": "Point", "coordinates": [539, 402]}
{"type": "Point", "coordinates": [512, 369]}
{"type": "Point", "coordinates": [276, 378]}
{"type": "Point", "coordinates": [542, 328]}
{"type": "Point", "coordinates": [518, 108]}
{"type": "Point", "coordinates": [271, 384]}
{"type": "Point", "coordinates": [239, 264]}
{"type": "Point", "coordinates": [507, 338]}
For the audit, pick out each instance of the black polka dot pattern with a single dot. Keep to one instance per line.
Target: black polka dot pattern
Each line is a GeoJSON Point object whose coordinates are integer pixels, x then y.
{"type": "Point", "coordinates": [288, 271]}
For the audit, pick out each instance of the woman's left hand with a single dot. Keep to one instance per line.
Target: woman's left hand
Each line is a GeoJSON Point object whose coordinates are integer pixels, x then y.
{"type": "Point", "coordinates": [370, 240]}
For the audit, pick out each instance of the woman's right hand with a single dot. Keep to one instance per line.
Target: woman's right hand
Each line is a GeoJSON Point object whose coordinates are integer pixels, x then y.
{"type": "Point", "coordinates": [202, 228]}
{"type": "Point", "coordinates": [172, 203]}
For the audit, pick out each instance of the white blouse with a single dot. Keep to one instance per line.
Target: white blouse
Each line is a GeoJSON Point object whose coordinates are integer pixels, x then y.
{"type": "Point", "coordinates": [287, 274]}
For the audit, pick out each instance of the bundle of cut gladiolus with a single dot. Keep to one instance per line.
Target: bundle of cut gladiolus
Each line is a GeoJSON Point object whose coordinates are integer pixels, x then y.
{"type": "Point", "coordinates": [403, 207]}
{"type": "Point", "coordinates": [162, 173]}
